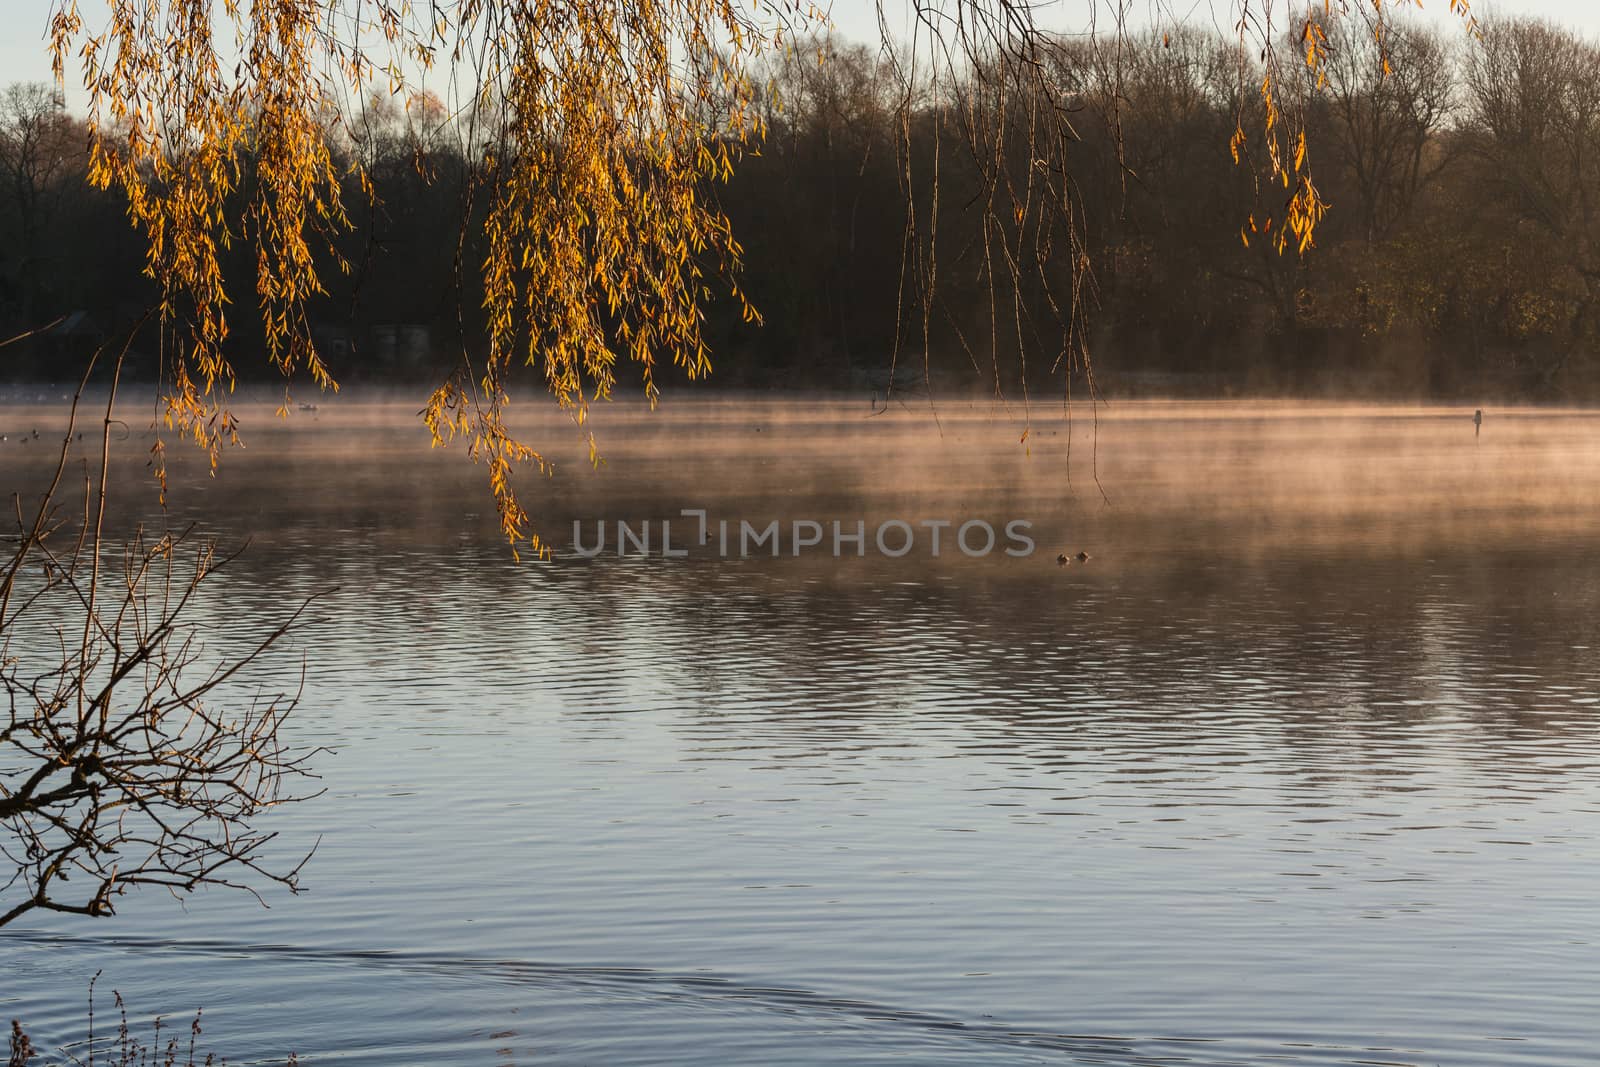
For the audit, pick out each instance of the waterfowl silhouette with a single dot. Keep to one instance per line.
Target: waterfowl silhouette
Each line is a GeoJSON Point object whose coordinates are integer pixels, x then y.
{"type": "Point", "coordinates": [1082, 557]}
{"type": "Point", "coordinates": [1062, 560]}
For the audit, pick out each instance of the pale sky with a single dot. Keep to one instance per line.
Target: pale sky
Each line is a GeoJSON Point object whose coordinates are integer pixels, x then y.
{"type": "Point", "coordinates": [23, 55]}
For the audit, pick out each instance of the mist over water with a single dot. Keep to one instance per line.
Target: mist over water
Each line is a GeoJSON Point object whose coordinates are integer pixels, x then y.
{"type": "Point", "coordinates": [1301, 766]}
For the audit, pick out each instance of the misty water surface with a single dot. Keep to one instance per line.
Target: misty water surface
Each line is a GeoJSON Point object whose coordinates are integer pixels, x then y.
{"type": "Point", "coordinates": [1302, 767]}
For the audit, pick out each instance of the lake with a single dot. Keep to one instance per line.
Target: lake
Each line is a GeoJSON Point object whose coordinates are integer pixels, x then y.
{"type": "Point", "coordinates": [1302, 766]}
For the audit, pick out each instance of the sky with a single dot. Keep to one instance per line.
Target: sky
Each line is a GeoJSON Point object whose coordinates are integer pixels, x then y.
{"type": "Point", "coordinates": [24, 56]}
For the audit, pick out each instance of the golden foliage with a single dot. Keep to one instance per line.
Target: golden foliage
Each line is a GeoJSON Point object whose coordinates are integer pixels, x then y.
{"type": "Point", "coordinates": [180, 140]}
{"type": "Point", "coordinates": [1283, 126]}
{"type": "Point", "coordinates": [591, 150]}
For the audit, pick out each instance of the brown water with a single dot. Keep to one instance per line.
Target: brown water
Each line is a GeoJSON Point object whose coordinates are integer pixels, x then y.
{"type": "Point", "coordinates": [1302, 766]}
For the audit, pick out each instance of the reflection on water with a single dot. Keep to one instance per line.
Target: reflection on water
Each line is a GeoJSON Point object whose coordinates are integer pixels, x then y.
{"type": "Point", "coordinates": [1300, 768]}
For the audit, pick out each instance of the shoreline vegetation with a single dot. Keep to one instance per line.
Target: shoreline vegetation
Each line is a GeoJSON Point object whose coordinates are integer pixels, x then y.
{"type": "Point", "coordinates": [168, 1044]}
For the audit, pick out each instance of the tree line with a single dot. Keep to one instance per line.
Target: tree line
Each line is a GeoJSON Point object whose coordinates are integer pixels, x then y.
{"type": "Point", "coordinates": [1460, 255]}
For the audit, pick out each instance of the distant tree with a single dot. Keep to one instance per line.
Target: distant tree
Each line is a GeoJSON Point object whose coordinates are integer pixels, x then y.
{"type": "Point", "coordinates": [1533, 99]}
{"type": "Point", "coordinates": [1389, 97]}
{"type": "Point", "coordinates": [41, 151]}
